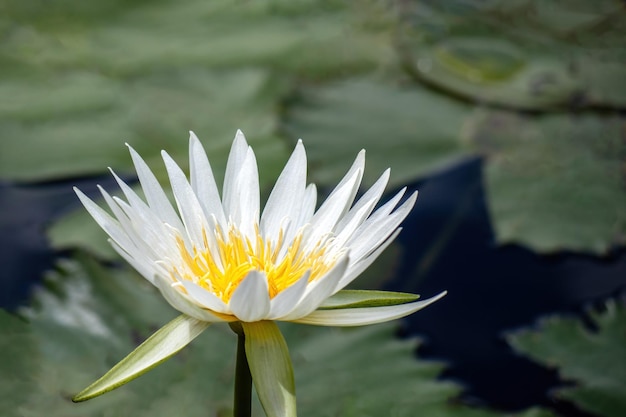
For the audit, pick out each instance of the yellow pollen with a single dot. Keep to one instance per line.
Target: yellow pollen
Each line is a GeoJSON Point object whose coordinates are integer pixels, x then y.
{"type": "Point", "coordinates": [222, 270]}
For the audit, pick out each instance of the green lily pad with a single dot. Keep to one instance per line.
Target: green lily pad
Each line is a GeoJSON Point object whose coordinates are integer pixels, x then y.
{"type": "Point", "coordinates": [18, 374]}
{"type": "Point", "coordinates": [87, 317]}
{"type": "Point", "coordinates": [88, 136]}
{"type": "Point", "coordinates": [526, 54]}
{"type": "Point", "coordinates": [555, 182]}
{"type": "Point", "coordinates": [409, 129]}
{"type": "Point", "coordinates": [82, 80]}
{"type": "Point", "coordinates": [591, 362]}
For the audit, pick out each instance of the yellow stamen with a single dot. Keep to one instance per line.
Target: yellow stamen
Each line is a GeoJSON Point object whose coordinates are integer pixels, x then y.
{"type": "Point", "coordinates": [237, 255]}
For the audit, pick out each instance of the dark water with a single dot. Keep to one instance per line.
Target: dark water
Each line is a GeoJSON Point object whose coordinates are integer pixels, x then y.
{"type": "Point", "coordinates": [447, 242]}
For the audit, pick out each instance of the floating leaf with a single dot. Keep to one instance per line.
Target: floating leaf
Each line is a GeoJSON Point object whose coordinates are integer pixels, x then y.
{"type": "Point", "coordinates": [593, 361]}
{"type": "Point", "coordinates": [155, 113]}
{"type": "Point", "coordinates": [555, 182]}
{"type": "Point", "coordinates": [525, 54]}
{"type": "Point", "coordinates": [412, 130]}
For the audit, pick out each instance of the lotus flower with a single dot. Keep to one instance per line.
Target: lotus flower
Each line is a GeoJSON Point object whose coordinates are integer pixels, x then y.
{"type": "Point", "coordinates": [221, 259]}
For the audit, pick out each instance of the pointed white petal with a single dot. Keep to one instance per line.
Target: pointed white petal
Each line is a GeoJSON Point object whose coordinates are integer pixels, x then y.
{"type": "Point", "coordinates": [308, 206]}
{"type": "Point", "coordinates": [357, 216]}
{"type": "Point", "coordinates": [204, 297]}
{"type": "Point", "coordinates": [203, 181]}
{"type": "Point", "coordinates": [159, 347]}
{"type": "Point", "coordinates": [339, 200]}
{"type": "Point", "coordinates": [104, 220]}
{"type": "Point", "coordinates": [131, 196]}
{"type": "Point", "coordinates": [246, 214]}
{"type": "Point", "coordinates": [143, 224]}
{"type": "Point", "coordinates": [361, 265]}
{"type": "Point", "coordinates": [370, 199]}
{"type": "Point", "coordinates": [191, 212]}
{"type": "Point", "coordinates": [286, 300]}
{"type": "Point", "coordinates": [157, 200]}
{"type": "Point", "coordinates": [141, 266]}
{"type": "Point", "coordinates": [365, 315]}
{"type": "Point", "coordinates": [335, 206]}
{"type": "Point", "coordinates": [270, 366]}
{"type": "Point", "coordinates": [251, 301]}
{"type": "Point", "coordinates": [318, 291]}
{"type": "Point", "coordinates": [372, 233]}
{"type": "Point", "coordinates": [237, 155]}
{"type": "Point", "coordinates": [285, 200]}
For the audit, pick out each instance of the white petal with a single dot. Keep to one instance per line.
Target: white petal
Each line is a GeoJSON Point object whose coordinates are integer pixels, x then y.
{"type": "Point", "coordinates": [157, 200]}
{"type": "Point", "coordinates": [191, 212]}
{"type": "Point", "coordinates": [243, 203]}
{"type": "Point", "coordinates": [385, 209]}
{"type": "Point", "coordinates": [371, 196]}
{"type": "Point", "coordinates": [339, 200]}
{"type": "Point", "coordinates": [356, 219]}
{"type": "Point", "coordinates": [104, 220]}
{"type": "Point", "coordinates": [204, 297]}
{"type": "Point", "coordinates": [366, 315]}
{"type": "Point", "coordinates": [371, 234]}
{"type": "Point", "coordinates": [180, 303]}
{"type": "Point", "coordinates": [285, 200]}
{"type": "Point", "coordinates": [237, 155]}
{"type": "Point", "coordinates": [131, 196]}
{"type": "Point", "coordinates": [335, 206]}
{"type": "Point", "coordinates": [287, 299]}
{"type": "Point", "coordinates": [358, 267]}
{"type": "Point", "coordinates": [144, 268]}
{"type": "Point", "coordinates": [308, 206]}
{"type": "Point", "coordinates": [203, 181]}
{"type": "Point", "coordinates": [318, 291]}
{"type": "Point", "coordinates": [162, 345]}
{"type": "Point", "coordinates": [250, 300]}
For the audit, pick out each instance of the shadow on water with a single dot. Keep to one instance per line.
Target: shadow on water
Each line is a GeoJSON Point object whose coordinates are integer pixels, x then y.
{"type": "Point", "coordinates": [447, 243]}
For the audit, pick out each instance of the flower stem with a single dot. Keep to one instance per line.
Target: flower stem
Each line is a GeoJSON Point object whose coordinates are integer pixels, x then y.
{"type": "Point", "coordinates": [242, 406]}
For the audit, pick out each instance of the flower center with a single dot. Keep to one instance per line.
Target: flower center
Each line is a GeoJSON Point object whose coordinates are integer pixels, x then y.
{"type": "Point", "coordinates": [221, 269]}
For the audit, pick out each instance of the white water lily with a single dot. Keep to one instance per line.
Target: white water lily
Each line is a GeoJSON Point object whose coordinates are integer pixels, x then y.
{"type": "Point", "coordinates": [221, 259]}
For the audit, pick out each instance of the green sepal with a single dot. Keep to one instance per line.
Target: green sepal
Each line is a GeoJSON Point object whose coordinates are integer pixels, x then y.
{"type": "Point", "coordinates": [366, 298]}
{"type": "Point", "coordinates": [270, 366]}
{"type": "Point", "coordinates": [162, 345]}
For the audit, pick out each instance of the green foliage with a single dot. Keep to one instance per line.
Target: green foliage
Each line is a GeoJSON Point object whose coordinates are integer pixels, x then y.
{"type": "Point", "coordinates": [411, 129]}
{"type": "Point", "coordinates": [83, 79]}
{"type": "Point", "coordinates": [592, 363]}
{"type": "Point", "coordinates": [84, 82]}
{"type": "Point", "coordinates": [554, 181]}
{"type": "Point", "coordinates": [527, 54]}
{"type": "Point", "coordinates": [88, 317]}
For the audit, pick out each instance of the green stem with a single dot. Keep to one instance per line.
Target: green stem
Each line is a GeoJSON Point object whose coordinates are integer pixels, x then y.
{"type": "Point", "coordinates": [243, 378]}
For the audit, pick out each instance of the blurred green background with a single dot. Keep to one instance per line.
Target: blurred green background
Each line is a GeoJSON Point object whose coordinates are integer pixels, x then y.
{"type": "Point", "coordinates": [536, 89]}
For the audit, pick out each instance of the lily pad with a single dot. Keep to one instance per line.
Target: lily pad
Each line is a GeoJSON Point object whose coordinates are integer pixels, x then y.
{"type": "Point", "coordinates": [84, 79]}
{"type": "Point", "coordinates": [87, 317]}
{"type": "Point", "coordinates": [554, 182]}
{"type": "Point", "coordinates": [87, 137]}
{"type": "Point", "coordinates": [591, 362]}
{"type": "Point", "coordinates": [412, 130]}
{"type": "Point", "coordinates": [527, 54]}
